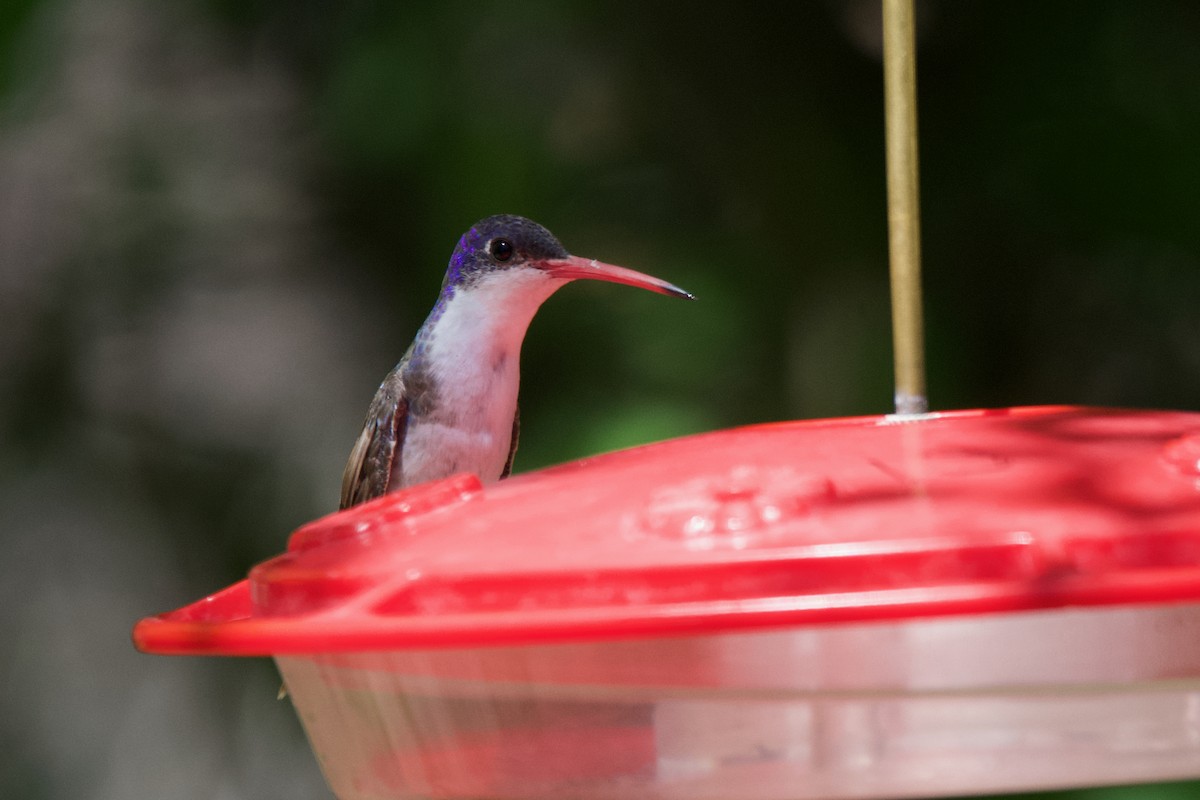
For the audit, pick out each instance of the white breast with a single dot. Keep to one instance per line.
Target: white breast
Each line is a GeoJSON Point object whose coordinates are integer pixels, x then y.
{"type": "Point", "coordinates": [474, 361]}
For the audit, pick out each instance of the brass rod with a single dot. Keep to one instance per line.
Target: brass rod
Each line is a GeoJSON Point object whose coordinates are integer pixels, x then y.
{"type": "Point", "coordinates": [904, 214]}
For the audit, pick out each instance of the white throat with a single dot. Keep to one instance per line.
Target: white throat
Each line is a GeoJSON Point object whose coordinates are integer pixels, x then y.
{"type": "Point", "coordinates": [473, 360]}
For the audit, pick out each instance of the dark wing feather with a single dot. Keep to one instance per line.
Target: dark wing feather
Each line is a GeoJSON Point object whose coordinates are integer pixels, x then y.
{"type": "Point", "coordinates": [512, 448]}
{"type": "Point", "coordinates": [377, 453]}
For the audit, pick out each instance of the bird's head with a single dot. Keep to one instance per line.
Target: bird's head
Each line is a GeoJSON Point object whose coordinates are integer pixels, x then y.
{"type": "Point", "coordinates": [507, 243]}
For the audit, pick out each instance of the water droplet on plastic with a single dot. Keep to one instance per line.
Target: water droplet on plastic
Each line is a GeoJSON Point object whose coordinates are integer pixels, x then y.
{"type": "Point", "coordinates": [734, 509]}
{"type": "Point", "coordinates": [1184, 454]}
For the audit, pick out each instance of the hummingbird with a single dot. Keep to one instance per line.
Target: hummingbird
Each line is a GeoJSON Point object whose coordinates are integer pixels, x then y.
{"type": "Point", "coordinates": [450, 404]}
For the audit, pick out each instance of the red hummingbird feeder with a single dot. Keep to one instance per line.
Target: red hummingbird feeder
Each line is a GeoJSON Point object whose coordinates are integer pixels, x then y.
{"type": "Point", "coordinates": [975, 601]}
{"type": "Point", "coordinates": [893, 606]}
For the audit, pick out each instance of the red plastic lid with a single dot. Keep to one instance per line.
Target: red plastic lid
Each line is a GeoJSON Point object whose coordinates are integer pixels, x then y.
{"type": "Point", "coordinates": [785, 524]}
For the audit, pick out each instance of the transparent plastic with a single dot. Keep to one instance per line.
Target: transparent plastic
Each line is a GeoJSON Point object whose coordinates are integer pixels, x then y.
{"type": "Point", "coordinates": [911, 709]}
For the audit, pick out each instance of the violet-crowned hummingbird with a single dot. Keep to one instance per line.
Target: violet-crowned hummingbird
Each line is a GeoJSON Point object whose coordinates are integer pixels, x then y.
{"type": "Point", "coordinates": [450, 405]}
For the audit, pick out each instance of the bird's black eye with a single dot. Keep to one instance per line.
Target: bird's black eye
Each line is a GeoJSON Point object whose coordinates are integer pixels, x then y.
{"type": "Point", "coordinates": [502, 249]}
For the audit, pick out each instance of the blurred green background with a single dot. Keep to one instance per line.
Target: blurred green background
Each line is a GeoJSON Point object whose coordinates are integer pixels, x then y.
{"type": "Point", "coordinates": [221, 223]}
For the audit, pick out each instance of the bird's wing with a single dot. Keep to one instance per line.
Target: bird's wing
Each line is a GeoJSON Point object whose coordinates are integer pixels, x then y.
{"type": "Point", "coordinates": [512, 448]}
{"type": "Point", "coordinates": [377, 453]}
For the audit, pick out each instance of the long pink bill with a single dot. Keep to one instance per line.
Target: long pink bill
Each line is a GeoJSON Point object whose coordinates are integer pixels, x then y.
{"type": "Point", "coordinates": [576, 268]}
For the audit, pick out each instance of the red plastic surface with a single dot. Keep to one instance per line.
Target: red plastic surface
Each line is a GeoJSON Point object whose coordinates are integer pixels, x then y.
{"type": "Point", "coordinates": [785, 524]}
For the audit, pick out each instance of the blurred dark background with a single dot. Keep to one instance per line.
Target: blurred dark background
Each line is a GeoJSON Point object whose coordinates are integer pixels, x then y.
{"type": "Point", "coordinates": [221, 223]}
